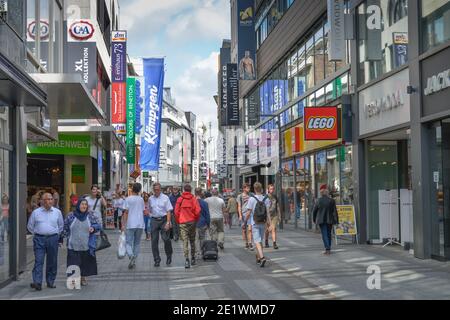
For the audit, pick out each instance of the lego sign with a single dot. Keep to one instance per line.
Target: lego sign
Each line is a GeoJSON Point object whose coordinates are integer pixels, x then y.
{"type": "Point", "coordinates": [321, 123]}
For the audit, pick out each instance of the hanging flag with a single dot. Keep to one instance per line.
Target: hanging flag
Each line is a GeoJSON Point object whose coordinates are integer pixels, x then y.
{"type": "Point", "coordinates": [131, 116]}
{"type": "Point", "coordinates": [150, 141]}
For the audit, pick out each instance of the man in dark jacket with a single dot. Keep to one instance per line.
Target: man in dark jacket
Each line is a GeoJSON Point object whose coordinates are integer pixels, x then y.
{"type": "Point", "coordinates": [173, 200]}
{"type": "Point", "coordinates": [205, 219]}
{"type": "Point", "coordinates": [187, 213]}
{"type": "Point", "coordinates": [325, 215]}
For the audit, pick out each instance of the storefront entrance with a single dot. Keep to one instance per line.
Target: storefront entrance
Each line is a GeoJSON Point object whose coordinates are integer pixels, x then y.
{"type": "Point", "coordinates": [389, 190]}
{"type": "Point", "coordinates": [439, 137]}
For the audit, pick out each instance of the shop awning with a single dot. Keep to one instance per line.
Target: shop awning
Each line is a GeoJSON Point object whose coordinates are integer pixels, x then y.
{"type": "Point", "coordinates": [104, 135]}
{"type": "Point", "coordinates": [17, 88]}
{"type": "Point", "coordinates": [68, 97]}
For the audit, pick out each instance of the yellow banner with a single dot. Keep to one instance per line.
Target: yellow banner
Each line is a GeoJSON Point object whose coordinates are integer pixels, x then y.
{"type": "Point", "coordinates": [347, 221]}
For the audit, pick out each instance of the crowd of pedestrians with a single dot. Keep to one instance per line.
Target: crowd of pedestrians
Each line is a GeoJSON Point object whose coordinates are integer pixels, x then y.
{"type": "Point", "coordinates": [190, 216]}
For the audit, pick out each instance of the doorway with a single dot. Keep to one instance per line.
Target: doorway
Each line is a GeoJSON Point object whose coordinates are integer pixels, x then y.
{"type": "Point", "coordinates": [389, 190]}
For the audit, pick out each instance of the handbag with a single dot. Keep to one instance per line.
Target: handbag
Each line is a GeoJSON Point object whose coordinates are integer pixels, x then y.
{"type": "Point", "coordinates": [102, 241]}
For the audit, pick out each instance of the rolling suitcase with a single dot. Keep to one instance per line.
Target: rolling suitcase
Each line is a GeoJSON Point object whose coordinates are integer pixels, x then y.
{"type": "Point", "coordinates": [210, 250]}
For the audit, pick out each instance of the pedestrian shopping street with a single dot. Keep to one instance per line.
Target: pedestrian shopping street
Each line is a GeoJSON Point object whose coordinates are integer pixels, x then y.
{"type": "Point", "coordinates": [297, 270]}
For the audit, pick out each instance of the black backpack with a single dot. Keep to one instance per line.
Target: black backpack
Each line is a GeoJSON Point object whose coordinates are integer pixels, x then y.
{"type": "Point", "coordinates": [260, 213]}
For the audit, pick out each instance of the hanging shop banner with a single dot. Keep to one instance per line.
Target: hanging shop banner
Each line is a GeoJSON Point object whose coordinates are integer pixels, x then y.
{"type": "Point", "coordinates": [400, 40]}
{"type": "Point", "coordinates": [337, 44]}
{"type": "Point", "coordinates": [78, 173]}
{"type": "Point", "coordinates": [347, 221]}
{"type": "Point", "coordinates": [321, 123]}
{"type": "Point", "coordinates": [139, 105]}
{"type": "Point", "coordinates": [67, 144]}
{"type": "Point", "coordinates": [232, 105]}
{"type": "Point", "coordinates": [246, 40]}
{"type": "Point", "coordinates": [119, 56]}
{"type": "Point", "coordinates": [131, 116]}
{"type": "Point", "coordinates": [81, 53]}
{"type": "Point", "coordinates": [119, 84]}
{"type": "Point", "coordinates": [150, 142]}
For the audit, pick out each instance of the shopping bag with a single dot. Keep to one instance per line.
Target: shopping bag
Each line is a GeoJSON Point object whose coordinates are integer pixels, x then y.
{"type": "Point", "coordinates": [102, 241]}
{"type": "Point", "coordinates": [121, 246]}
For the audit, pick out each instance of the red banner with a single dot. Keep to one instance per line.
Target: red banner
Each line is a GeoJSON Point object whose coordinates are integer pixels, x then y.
{"type": "Point", "coordinates": [118, 107]}
{"type": "Point", "coordinates": [321, 123]}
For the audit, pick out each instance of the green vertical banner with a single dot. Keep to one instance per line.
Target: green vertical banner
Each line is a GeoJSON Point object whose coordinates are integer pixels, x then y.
{"type": "Point", "coordinates": [131, 107]}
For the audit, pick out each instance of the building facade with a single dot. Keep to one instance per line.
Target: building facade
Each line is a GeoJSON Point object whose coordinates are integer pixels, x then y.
{"type": "Point", "coordinates": [390, 94]}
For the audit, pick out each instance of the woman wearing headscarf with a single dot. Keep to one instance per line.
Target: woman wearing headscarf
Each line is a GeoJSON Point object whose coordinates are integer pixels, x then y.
{"type": "Point", "coordinates": [80, 227]}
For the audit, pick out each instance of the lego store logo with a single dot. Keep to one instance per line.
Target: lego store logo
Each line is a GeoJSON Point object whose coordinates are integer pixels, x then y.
{"type": "Point", "coordinates": [321, 123]}
{"type": "Point", "coordinates": [81, 30]}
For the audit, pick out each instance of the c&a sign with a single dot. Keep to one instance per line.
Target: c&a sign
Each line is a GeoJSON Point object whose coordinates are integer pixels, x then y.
{"type": "Point", "coordinates": [321, 123]}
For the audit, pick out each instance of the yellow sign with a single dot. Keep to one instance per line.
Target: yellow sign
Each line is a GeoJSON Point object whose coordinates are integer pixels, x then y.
{"type": "Point", "coordinates": [347, 221]}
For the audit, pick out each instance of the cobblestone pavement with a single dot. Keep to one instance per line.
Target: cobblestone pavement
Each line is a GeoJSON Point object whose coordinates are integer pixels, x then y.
{"type": "Point", "coordinates": [297, 270]}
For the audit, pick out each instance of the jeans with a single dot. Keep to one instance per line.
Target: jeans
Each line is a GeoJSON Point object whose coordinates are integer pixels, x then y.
{"type": "Point", "coordinates": [42, 246]}
{"type": "Point", "coordinates": [201, 237]}
{"type": "Point", "coordinates": [133, 237]}
{"type": "Point", "coordinates": [157, 228]}
{"type": "Point", "coordinates": [146, 223]}
{"type": "Point", "coordinates": [117, 219]}
{"type": "Point", "coordinates": [326, 235]}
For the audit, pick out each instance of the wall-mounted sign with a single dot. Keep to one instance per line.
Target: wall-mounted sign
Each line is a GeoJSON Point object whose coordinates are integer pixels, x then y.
{"type": "Point", "coordinates": [66, 145]}
{"type": "Point", "coordinates": [438, 82]}
{"type": "Point", "coordinates": [385, 104]}
{"type": "Point", "coordinates": [321, 123]}
{"type": "Point", "coordinates": [232, 95]}
{"type": "Point", "coordinates": [80, 30]}
{"type": "Point", "coordinates": [119, 85]}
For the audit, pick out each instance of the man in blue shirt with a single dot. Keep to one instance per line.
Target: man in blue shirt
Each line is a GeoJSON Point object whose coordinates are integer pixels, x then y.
{"type": "Point", "coordinates": [161, 209]}
{"type": "Point", "coordinates": [205, 218]}
{"type": "Point", "coordinates": [46, 224]}
{"type": "Point", "coordinates": [173, 200]}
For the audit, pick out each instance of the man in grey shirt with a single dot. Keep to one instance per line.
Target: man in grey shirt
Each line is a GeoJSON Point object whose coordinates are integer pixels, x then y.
{"type": "Point", "coordinates": [217, 209]}
{"type": "Point", "coordinates": [46, 224]}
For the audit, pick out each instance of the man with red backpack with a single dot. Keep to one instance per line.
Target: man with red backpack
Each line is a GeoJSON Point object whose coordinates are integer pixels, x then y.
{"type": "Point", "coordinates": [187, 213]}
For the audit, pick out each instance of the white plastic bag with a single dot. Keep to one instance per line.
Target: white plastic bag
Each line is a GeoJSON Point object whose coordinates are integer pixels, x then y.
{"type": "Point", "coordinates": [121, 246]}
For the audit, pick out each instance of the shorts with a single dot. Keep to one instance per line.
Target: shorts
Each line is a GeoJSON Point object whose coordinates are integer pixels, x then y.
{"type": "Point", "coordinates": [274, 221]}
{"type": "Point", "coordinates": [258, 232]}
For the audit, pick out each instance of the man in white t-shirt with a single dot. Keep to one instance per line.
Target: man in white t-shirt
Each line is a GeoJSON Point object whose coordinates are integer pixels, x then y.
{"type": "Point", "coordinates": [216, 208]}
{"type": "Point", "coordinates": [95, 202]}
{"type": "Point", "coordinates": [258, 227]}
{"type": "Point", "coordinates": [133, 222]}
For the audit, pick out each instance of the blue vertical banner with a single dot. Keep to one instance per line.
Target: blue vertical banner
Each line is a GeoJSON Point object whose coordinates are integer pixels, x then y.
{"type": "Point", "coordinates": [150, 141]}
{"type": "Point", "coordinates": [246, 39]}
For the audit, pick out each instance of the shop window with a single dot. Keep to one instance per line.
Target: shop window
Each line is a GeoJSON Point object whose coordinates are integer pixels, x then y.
{"type": "Point", "coordinates": [5, 135]}
{"type": "Point", "coordinates": [382, 47]}
{"type": "Point", "coordinates": [333, 174]}
{"type": "Point", "coordinates": [320, 169]}
{"type": "Point", "coordinates": [435, 23]}
{"type": "Point", "coordinates": [320, 96]}
{"type": "Point", "coordinates": [345, 160]}
{"type": "Point", "coordinates": [5, 237]}
{"type": "Point", "coordinates": [300, 79]}
{"type": "Point", "coordinates": [319, 55]}
{"type": "Point", "coordinates": [287, 191]}
{"type": "Point", "coordinates": [31, 26]}
{"type": "Point", "coordinates": [309, 63]}
{"type": "Point", "coordinates": [398, 9]}
{"type": "Point", "coordinates": [330, 92]}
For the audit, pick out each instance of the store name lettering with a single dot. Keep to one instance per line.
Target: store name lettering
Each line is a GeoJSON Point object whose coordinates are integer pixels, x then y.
{"type": "Point", "coordinates": [387, 103]}
{"type": "Point", "coordinates": [150, 132]}
{"type": "Point", "coordinates": [438, 82]}
{"type": "Point", "coordinates": [64, 144]}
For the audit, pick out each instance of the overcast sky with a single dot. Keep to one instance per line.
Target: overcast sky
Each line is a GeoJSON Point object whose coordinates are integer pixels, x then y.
{"type": "Point", "coordinates": [188, 33]}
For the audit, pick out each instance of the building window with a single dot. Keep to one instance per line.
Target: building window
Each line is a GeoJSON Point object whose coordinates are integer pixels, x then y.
{"type": "Point", "coordinates": [435, 23]}
{"type": "Point", "coordinates": [382, 47]}
{"type": "Point", "coordinates": [398, 9]}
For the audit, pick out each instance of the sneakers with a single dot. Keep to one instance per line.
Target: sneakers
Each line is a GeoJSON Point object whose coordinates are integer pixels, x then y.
{"type": "Point", "coordinates": [275, 245]}
{"type": "Point", "coordinates": [263, 262]}
{"type": "Point", "coordinates": [252, 248]}
{"type": "Point", "coordinates": [169, 260]}
{"type": "Point", "coordinates": [132, 263]}
{"type": "Point", "coordinates": [187, 264]}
